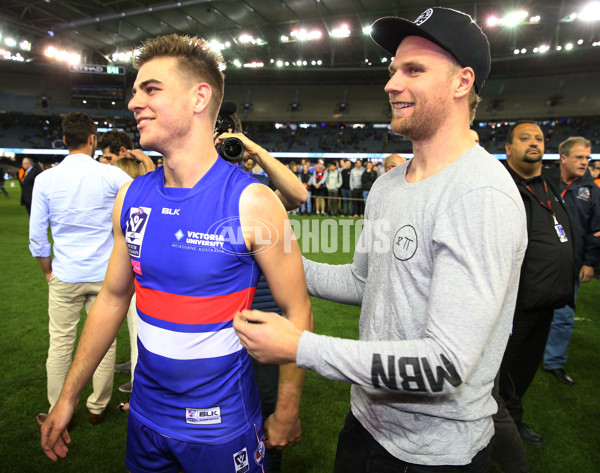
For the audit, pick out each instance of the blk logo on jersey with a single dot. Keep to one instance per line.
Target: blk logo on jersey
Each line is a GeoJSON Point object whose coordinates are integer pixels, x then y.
{"type": "Point", "coordinates": [136, 227]}
{"type": "Point", "coordinates": [240, 460]}
{"type": "Point", "coordinates": [212, 415]}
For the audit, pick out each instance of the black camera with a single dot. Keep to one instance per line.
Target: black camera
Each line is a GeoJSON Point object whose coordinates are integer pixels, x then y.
{"type": "Point", "coordinates": [230, 149]}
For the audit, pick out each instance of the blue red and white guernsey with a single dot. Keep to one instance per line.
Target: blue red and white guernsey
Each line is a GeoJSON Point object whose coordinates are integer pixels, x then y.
{"type": "Point", "coordinates": [193, 272]}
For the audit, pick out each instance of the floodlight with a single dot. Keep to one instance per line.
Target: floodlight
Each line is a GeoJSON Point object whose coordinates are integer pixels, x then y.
{"type": "Point", "coordinates": [513, 19]}
{"type": "Point", "coordinates": [493, 21]}
{"type": "Point", "coordinates": [343, 31]}
{"type": "Point", "coordinates": [591, 12]}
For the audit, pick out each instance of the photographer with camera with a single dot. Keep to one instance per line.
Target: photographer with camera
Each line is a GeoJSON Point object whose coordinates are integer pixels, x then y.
{"type": "Point", "coordinates": [232, 145]}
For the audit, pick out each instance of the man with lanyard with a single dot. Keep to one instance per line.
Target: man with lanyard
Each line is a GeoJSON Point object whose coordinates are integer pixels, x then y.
{"type": "Point", "coordinates": [546, 281]}
{"type": "Point", "coordinates": [582, 198]}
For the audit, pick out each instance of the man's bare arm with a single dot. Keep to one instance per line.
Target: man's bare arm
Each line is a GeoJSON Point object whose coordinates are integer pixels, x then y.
{"type": "Point", "coordinates": [46, 265]}
{"type": "Point", "coordinates": [281, 264]}
{"type": "Point", "coordinates": [101, 327]}
{"type": "Point", "coordinates": [290, 190]}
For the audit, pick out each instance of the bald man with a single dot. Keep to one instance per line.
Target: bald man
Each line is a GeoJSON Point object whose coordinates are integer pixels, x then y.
{"type": "Point", "coordinates": [392, 161]}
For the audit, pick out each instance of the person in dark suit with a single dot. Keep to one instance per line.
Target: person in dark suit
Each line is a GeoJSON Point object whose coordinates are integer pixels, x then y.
{"type": "Point", "coordinates": [31, 172]}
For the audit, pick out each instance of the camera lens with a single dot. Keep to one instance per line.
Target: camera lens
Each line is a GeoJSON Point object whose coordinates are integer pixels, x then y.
{"type": "Point", "coordinates": [231, 149]}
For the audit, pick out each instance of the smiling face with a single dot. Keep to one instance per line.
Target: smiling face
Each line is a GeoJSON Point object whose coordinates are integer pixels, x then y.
{"type": "Point", "coordinates": [420, 87]}
{"type": "Point", "coordinates": [163, 104]}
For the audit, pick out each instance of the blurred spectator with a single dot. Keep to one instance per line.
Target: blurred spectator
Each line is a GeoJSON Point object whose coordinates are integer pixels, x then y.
{"type": "Point", "coordinates": [347, 205]}
{"type": "Point", "coordinates": [356, 188]}
{"type": "Point", "coordinates": [31, 172]}
{"type": "Point", "coordinates": [392, 161]}
{"type": "Point", "coordinates": [305, 177]}
{"type": "Point", "coordinates": [333, 182]}
{"type": "Point", "coordinates": [368, 179]}
{"type": "Point", "coordinates": [319, 189]}
{"type": "Point", "coordinates": [2, 183]}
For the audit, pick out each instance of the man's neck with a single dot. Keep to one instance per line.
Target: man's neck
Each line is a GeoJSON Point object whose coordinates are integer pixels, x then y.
{"type": "Point", "coordinates": [527, 170]}
{"type": "Point", "coordinates": [438, 152]}
{"type": "Point", "coordinates": [183, 171]}
{"type": "Point", "coordinates": [568, 179]}
{"type": "Point", "coordinates": [85, 150]}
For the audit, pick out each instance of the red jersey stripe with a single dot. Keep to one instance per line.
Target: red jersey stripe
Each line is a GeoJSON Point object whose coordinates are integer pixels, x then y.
{"type": "Point", "coordinates": [190, 309]}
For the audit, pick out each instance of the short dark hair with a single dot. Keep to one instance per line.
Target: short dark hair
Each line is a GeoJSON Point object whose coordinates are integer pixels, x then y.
{"type": "Point", "coordinates": [77, 127]}
{"type": "Point", "coordinates": [113, 140]}
{"type": "Point", "coordinates": [511, 132]}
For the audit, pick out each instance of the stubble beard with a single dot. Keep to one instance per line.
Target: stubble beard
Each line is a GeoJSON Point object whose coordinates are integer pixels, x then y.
{"type": "Point", "coordinates": [417, 126]}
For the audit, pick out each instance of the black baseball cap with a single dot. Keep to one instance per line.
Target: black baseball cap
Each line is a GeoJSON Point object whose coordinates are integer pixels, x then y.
{"type": "Point", "coordinates": [453, 30]}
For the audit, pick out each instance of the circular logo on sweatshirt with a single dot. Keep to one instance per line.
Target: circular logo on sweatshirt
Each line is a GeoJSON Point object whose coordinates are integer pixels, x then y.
{"type": "Point", "coordinates": [405, 243]}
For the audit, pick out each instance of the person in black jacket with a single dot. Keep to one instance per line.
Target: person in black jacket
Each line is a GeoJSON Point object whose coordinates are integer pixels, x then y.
{"type": "Point", "coordinates": [368, 178]}
{"type": "Point", "coordinates": [31, 172]}
{"type": "Point", "coordinates": [582, 198]}
{"type": "Point", "coordinates": [546, 274]}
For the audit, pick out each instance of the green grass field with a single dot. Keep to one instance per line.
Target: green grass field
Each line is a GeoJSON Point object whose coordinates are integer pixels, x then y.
{"type": "Point", "coordinates": [566, 416]}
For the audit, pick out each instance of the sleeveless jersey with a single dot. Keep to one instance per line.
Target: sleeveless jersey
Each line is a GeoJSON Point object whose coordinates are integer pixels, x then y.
{"type": "Point", "coordinates": [193, 272]}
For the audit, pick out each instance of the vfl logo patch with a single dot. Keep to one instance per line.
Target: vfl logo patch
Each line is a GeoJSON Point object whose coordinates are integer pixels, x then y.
{"type": "Point", "coordinates": [405, 243]}
{"type": "Point", "coordinates": [240, 461]}
{"type": "Point", "coordinates": [212, 415]}
{"type": "Point", "coordinates": [136, 227]}
{"type": "Point", "coordinates": [259, 453]}
{"type": "Point", "coordinates": [423, 17]}
{"type": "Point", "coordinates": [583, 193]}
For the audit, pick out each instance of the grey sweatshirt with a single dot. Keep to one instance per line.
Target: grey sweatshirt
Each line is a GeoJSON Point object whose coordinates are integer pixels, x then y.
{"type": "Point", "coordinates": [436, 272]}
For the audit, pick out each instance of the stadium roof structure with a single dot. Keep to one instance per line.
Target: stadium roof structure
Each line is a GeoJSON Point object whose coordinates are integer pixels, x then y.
{"type": "Point", "coordinates": [549, 49]}
{"type": "Point", "coordinates": [329, 31]}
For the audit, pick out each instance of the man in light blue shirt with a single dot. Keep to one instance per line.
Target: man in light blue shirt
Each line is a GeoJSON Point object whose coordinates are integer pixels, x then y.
{"type": "Point", "coordinates": [76, 199]}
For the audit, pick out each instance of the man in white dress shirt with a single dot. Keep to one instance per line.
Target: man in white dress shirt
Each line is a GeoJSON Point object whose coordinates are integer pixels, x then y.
{"type": "Point", "coordinates": [76, 199]}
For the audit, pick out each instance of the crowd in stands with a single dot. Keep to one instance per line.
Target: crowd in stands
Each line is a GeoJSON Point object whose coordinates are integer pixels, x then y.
{"type": "Point", "coordinates": [34, 131]}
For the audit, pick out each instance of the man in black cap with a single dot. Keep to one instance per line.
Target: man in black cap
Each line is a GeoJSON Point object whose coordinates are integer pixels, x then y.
{"type": "Point", "coordinates": [436, 274]}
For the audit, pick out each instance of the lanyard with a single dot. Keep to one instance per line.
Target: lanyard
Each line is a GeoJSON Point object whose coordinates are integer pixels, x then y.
{"type": "Point", "coordinates": [562, 194]}
{"type": "Point", "coordinates": [548, 203]}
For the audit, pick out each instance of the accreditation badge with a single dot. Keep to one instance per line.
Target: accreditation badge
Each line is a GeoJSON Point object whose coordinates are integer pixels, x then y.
{"type": "Point", "coordinates": [562, 236]}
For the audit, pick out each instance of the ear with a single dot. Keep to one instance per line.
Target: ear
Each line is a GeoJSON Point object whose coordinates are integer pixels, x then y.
{"type": "Point", "coordinates": [123, 152]}
{"type": "Point", "coordinates": [202, 97]}
{"type": "Point", "coordinates": [562, 158]}
{"type": "Point", "coordinates": [90, 140]}
{"type": "Point", "coordinates": [507, 149]}
{"type": "Point", "coordinates": [466, 79]}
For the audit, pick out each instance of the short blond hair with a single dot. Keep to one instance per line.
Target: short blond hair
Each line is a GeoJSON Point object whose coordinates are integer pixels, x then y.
{"type": "Point", "coordinates": [194, 57]}
{"type": "Point", "coordinates": [566, 146]}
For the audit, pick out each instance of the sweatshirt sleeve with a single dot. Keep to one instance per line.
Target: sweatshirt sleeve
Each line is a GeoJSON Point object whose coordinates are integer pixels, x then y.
{"type": "Point", "coordinates": [344, 283]}
{"type": "Point", "coordinates": [474, 279]}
